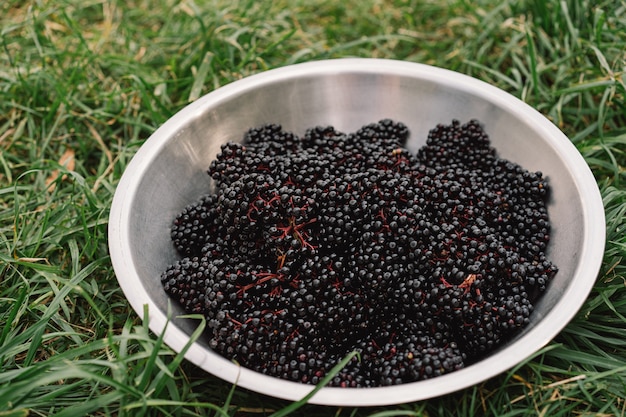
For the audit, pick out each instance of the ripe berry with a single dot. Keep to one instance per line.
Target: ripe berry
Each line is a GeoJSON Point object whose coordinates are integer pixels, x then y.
{"type": "Point", "coordinates": [310, 248]}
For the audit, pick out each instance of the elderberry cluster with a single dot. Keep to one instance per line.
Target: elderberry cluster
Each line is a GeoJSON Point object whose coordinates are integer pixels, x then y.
{"type": "Point", "coordinates": [312, 247]}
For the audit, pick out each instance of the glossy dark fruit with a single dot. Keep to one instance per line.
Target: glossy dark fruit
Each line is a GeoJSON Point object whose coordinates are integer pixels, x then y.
{"type": "Point", "coordinates": [316, 246]}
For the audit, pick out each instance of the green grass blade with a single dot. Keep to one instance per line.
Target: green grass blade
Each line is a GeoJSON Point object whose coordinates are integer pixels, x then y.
{"type": "Point", "coordinates": [85, 408]}
{"type": "Point", "coordinates": [161, 380]}
{"type": "Point", "coordinates": [200, 77]}
{"type": "Point", "coordinates": [145, 377]}
{"type": "Point", "coordinates": [532, 56]}
{"type": "Point", "coordinates": [9, 321]}
{"type": "Point", "coordinates": [15, 413]}
{"type": "Point", "coordinates": [334, 371]}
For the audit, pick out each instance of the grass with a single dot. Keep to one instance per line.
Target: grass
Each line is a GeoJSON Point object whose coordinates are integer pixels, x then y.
{"type": "Point", "coordinates": [84, 83]}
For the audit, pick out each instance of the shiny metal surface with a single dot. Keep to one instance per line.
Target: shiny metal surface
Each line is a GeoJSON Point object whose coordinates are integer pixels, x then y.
{"type": "Point", "coordinates": [168, 172]}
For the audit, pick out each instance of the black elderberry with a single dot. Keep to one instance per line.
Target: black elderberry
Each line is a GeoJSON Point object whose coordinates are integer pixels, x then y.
{"type": "Point", "coordinates": [312, 247]}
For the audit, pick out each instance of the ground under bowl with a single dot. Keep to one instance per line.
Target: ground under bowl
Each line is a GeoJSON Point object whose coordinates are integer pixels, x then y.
{"type": "Point", "coordinates": [169, 172]}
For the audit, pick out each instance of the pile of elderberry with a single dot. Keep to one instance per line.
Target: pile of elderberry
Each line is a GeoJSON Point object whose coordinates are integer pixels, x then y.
{"type": "Point", "coordinates": [312, 247]}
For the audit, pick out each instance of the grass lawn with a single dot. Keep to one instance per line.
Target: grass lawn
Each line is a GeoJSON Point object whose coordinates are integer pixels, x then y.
{"type": "Point", "coordinates": [84, 83]}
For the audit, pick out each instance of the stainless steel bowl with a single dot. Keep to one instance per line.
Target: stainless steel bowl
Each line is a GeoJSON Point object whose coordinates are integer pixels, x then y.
{"type": "Point", "coordinates": [169, 172]}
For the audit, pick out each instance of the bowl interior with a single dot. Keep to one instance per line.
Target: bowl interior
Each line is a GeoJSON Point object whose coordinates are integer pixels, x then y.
{"type": "Point", "coordinates": [170, 173]}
